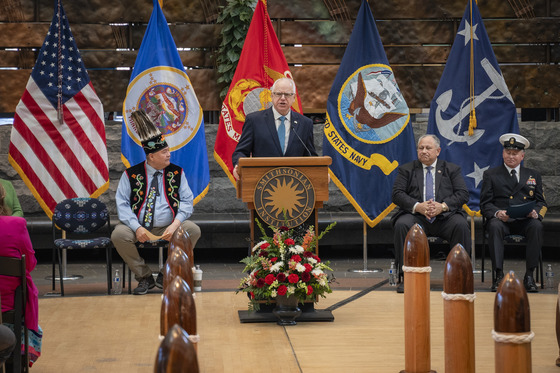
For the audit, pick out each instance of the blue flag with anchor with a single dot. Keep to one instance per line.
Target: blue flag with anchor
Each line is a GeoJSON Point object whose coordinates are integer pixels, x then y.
{"type": "Point", "coordinates": [472, 105]}
{"type": "Point", "coordinates": [160, 86]}
{"type": "Point", "coordinates": [367, 134]}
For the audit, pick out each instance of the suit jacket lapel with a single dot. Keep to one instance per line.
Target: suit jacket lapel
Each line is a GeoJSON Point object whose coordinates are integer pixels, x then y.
{"type": "Point", "coordinates": [292, 129]}
{"type": "Point", "coordinates": [523, 176]}
{"type": "Point", "coordinates": [418, 174]}
{"type": "Point", "coordinates": [269, 123]}
{"type": "Point", "coordinates": [437, 177]}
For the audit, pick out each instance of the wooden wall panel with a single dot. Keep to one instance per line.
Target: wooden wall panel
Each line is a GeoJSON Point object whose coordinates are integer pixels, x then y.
{"type": "Point", "coordinates": [417, 36]}
{"type": "Point", "coordinates": [391, 32]}
{"type": "Point", "coordinates": [92, 11]}
{"type": "Point", "coordinates": [403, 9]}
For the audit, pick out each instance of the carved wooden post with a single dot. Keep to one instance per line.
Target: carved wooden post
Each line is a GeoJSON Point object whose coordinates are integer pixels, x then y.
{"type": "Point", "coordinates": [176, 353]}
{"type": "Point", "coordinates": [417, 270]}
{"type": "Point", "coordinates": [177, 264]}
{"type": "Point", "coordinates": [458, 312]}
{"type": "Point", "coordinates": [512, 327]}
{"type": "Point", "coordinates": [180, 238]}
{"type": "Point", "coordinates": [178, 307]}
{"type": "Point", "coordinates": [558, 326]}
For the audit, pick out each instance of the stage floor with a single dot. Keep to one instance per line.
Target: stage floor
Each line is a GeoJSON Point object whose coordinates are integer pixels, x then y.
{"type": "Point", "coordinates": [121, 334]}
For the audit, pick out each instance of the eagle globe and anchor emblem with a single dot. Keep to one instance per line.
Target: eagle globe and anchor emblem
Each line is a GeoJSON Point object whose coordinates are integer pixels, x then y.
{"type": "Point", "coordinates": [284, 196]}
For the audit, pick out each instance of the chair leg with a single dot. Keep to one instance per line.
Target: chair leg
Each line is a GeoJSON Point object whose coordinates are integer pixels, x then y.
{"type": "Point", "coordinates": [59, 252]}
{"type": "Point", "coordinates": [542, 270]}
{"type": "Point", "coordinates": [108, 255]}
{"type": "Point", "coordinates": [53, 267]}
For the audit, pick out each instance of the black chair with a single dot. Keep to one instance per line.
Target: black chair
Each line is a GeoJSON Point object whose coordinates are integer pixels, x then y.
{"type": "Point", "coordinates": [15, 267]}
{"type": "Point", "coordinates": [80, 221]}
{"type": "Point", "coordinates": [511, 239]}
{"type": "Point", "coordinates": [148, 245]}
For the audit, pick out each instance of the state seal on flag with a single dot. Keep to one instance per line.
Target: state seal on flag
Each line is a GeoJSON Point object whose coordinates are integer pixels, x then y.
{"type": "Point", "coordinates": [166, 95]}
{"type": "Point", "coordinates": [284, 196]}
{"type": "Point", "coordinates": [371, 106]}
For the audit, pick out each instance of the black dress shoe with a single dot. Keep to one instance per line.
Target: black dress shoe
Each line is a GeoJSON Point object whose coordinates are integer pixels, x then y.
{"type": "Point", "coordinates": [400, 288]}
{"type": "Point", "coordinates": [497, 280]}
{"type": "Point", "coordinates": [530, 284]}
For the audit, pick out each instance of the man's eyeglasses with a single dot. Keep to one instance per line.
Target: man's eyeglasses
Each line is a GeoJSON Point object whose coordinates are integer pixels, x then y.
{"type": "Point", "coordinates": [280, 94]}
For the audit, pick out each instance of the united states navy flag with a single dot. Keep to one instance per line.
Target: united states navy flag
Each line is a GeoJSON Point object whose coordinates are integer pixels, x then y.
{"type": "Point", "coordinates": [367, 133]}
{"type": "Point", "coordinates": [472, 105]}
{"type": "Point", "coordinates": [160, 86]}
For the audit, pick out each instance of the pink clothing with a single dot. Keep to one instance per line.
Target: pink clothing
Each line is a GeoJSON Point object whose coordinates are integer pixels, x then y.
{"type": "Point", "coordinates": [15, 241]}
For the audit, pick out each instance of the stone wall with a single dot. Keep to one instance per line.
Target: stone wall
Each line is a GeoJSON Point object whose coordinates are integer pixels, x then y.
{"type": "Point", "coordinates": [543, 155]}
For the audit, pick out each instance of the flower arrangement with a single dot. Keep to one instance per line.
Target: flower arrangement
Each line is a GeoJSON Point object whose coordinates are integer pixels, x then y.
{"type": "Point", "coordinates": [286, 264]}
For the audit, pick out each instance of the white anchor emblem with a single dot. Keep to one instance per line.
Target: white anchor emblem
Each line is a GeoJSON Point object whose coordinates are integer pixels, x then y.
{"type": "Point", "coordinates": [446, 127]}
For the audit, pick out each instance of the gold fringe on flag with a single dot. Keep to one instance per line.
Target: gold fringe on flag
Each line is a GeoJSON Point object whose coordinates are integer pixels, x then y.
{"type": "Point", "coordinates": [472, 116]}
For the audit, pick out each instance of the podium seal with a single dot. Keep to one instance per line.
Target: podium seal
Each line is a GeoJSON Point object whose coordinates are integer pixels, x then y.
{"type": "Point", "coordinates": [284, 196]}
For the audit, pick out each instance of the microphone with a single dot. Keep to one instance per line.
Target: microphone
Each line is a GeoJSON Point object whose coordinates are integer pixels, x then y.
{"type": "Point", "coordinates": [299, 138]}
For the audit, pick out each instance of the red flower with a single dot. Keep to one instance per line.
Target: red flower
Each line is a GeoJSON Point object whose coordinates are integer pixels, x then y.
{"type": "Point", "coordinates": [269, 279]}
{"type": "Point", "coordinates": [309, 290]}
{"type": "Point", "coordinates": [260, 282]}
{"type": "Point", "coordinates": [282, 290]}
{"type": "Point", "coordinates": [308, 267]}
{"type": "Point", "coordinates": [307, 254]}
{"type": "Point", "coordinates": [281, 277]}
{"type": "Point", "coordinates": [293, 278]}
{"type": "Point", "coordinates": [273, 260]}
{"type": "Point", "coordinates": [284, 228]}
{"type": "Point", "coordinates": [289, 242]}
{"type": "Point", "coordinates": [265, 245]}
{"type": "Point", "coordinates": [317, 258]}
{"type": "Point", "coordinates": [252, 295]}
{"type": "Point", "coordinates": [305, 276]}
{"type": "Point", "coordinates": [296, 258]}
{"type": "Point", "coordinates": [263, 253]}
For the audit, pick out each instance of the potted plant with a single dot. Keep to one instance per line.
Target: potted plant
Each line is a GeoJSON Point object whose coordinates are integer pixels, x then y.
{"type": "Point", "coordinates": [285, 266]}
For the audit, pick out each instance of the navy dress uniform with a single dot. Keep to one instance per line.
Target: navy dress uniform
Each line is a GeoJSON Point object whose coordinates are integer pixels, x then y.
{"type": "Point", "coordinates": [507, 185]}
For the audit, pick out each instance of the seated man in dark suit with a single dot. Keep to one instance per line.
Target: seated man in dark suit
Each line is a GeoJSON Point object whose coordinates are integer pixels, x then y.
{"type": "Point", "coordinates": [277, 131]}
{"type": "Point", "coordinates": [507, 185]}
{"type": "Point", "coordinates": [430, 192]}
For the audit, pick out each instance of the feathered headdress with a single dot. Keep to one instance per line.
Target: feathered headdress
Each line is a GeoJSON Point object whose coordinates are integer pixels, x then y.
{"type": "Point", "coordinates": [150, 136]}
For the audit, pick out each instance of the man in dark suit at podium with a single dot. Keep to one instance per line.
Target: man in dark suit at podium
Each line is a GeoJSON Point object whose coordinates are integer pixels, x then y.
{"type": "Point", "coordinates": [277, 131]}
{"type": "Point", "coordinates": [430, 192]}
{"type": "Point", "coordinates": [508, 185]}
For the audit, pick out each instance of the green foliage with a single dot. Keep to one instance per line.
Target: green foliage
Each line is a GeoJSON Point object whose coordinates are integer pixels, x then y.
{"type": "Point", "coordinates": [236, 17]}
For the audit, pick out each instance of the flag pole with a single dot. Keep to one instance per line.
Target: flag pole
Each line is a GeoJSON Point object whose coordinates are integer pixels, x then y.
{"type": "Point", "coordinates": [365, 269]}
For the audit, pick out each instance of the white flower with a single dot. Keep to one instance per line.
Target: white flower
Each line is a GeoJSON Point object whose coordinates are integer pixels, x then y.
{"type": "Point", "coordinates": [317, 272]}
{"type": "Point", "coordinates": [297, 249]}
{"type": "Point", "coordinates": [300, 268]}
{"type": "Point", "coordinates": [273, 293]}
{"type": "Point", "coordinates": [258, 245]}
{"type": "Point", "coordinates": [291, 290]}
{"type": "Point", "coordinates": [322, 281]}
{"type": "Point", "coordinates": [312, 260]}
{"type": "Point", "coordinates": [276, 266]}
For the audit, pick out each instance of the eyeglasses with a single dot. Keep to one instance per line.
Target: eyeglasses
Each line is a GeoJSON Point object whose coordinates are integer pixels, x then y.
{"type": "Point", "coordinates": [280, 94]}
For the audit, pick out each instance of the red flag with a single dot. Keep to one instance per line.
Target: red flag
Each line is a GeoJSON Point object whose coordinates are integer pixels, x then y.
{"type": "Point", "coordinates": [260, 64]}
{"type": "Point", "coordinates": [57, 143]}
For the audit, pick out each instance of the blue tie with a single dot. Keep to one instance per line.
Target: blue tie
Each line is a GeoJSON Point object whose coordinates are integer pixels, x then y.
{"type": "Point", "coordinates": [282, 133]}
{"type": "Point", "coordinates": [429, 187]}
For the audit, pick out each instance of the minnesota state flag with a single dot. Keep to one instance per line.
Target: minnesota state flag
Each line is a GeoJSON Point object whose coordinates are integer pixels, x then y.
{"type": "Point", "coordinates": [367, 133]}
{"type": "Point", "coordinates": [472, 106]}
{"type": "Point", "coordinates": [261, 62]}
{"type": "Point", "coordinates": [160, 86]}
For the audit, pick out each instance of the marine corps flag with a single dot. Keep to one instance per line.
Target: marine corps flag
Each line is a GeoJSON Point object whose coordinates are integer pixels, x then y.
{"type": "Point", "coordinates": [472, 105]}
{"type": "Point", "coordinates": [260, 64]}
{"type": "Point", "coordinates": [367, 133]}
{"type": "Point", "coordinates": [160, 86]}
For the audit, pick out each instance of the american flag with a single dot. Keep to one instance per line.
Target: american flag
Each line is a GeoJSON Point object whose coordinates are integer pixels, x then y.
{"type": "Point", "coordinates": [58, 138]}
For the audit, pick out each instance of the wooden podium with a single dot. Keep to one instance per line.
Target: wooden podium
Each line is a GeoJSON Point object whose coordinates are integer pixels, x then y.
{"type": "Point", "coordinates": [262, 177]}
{"type": "Point", "coordinates": [283, 191]}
